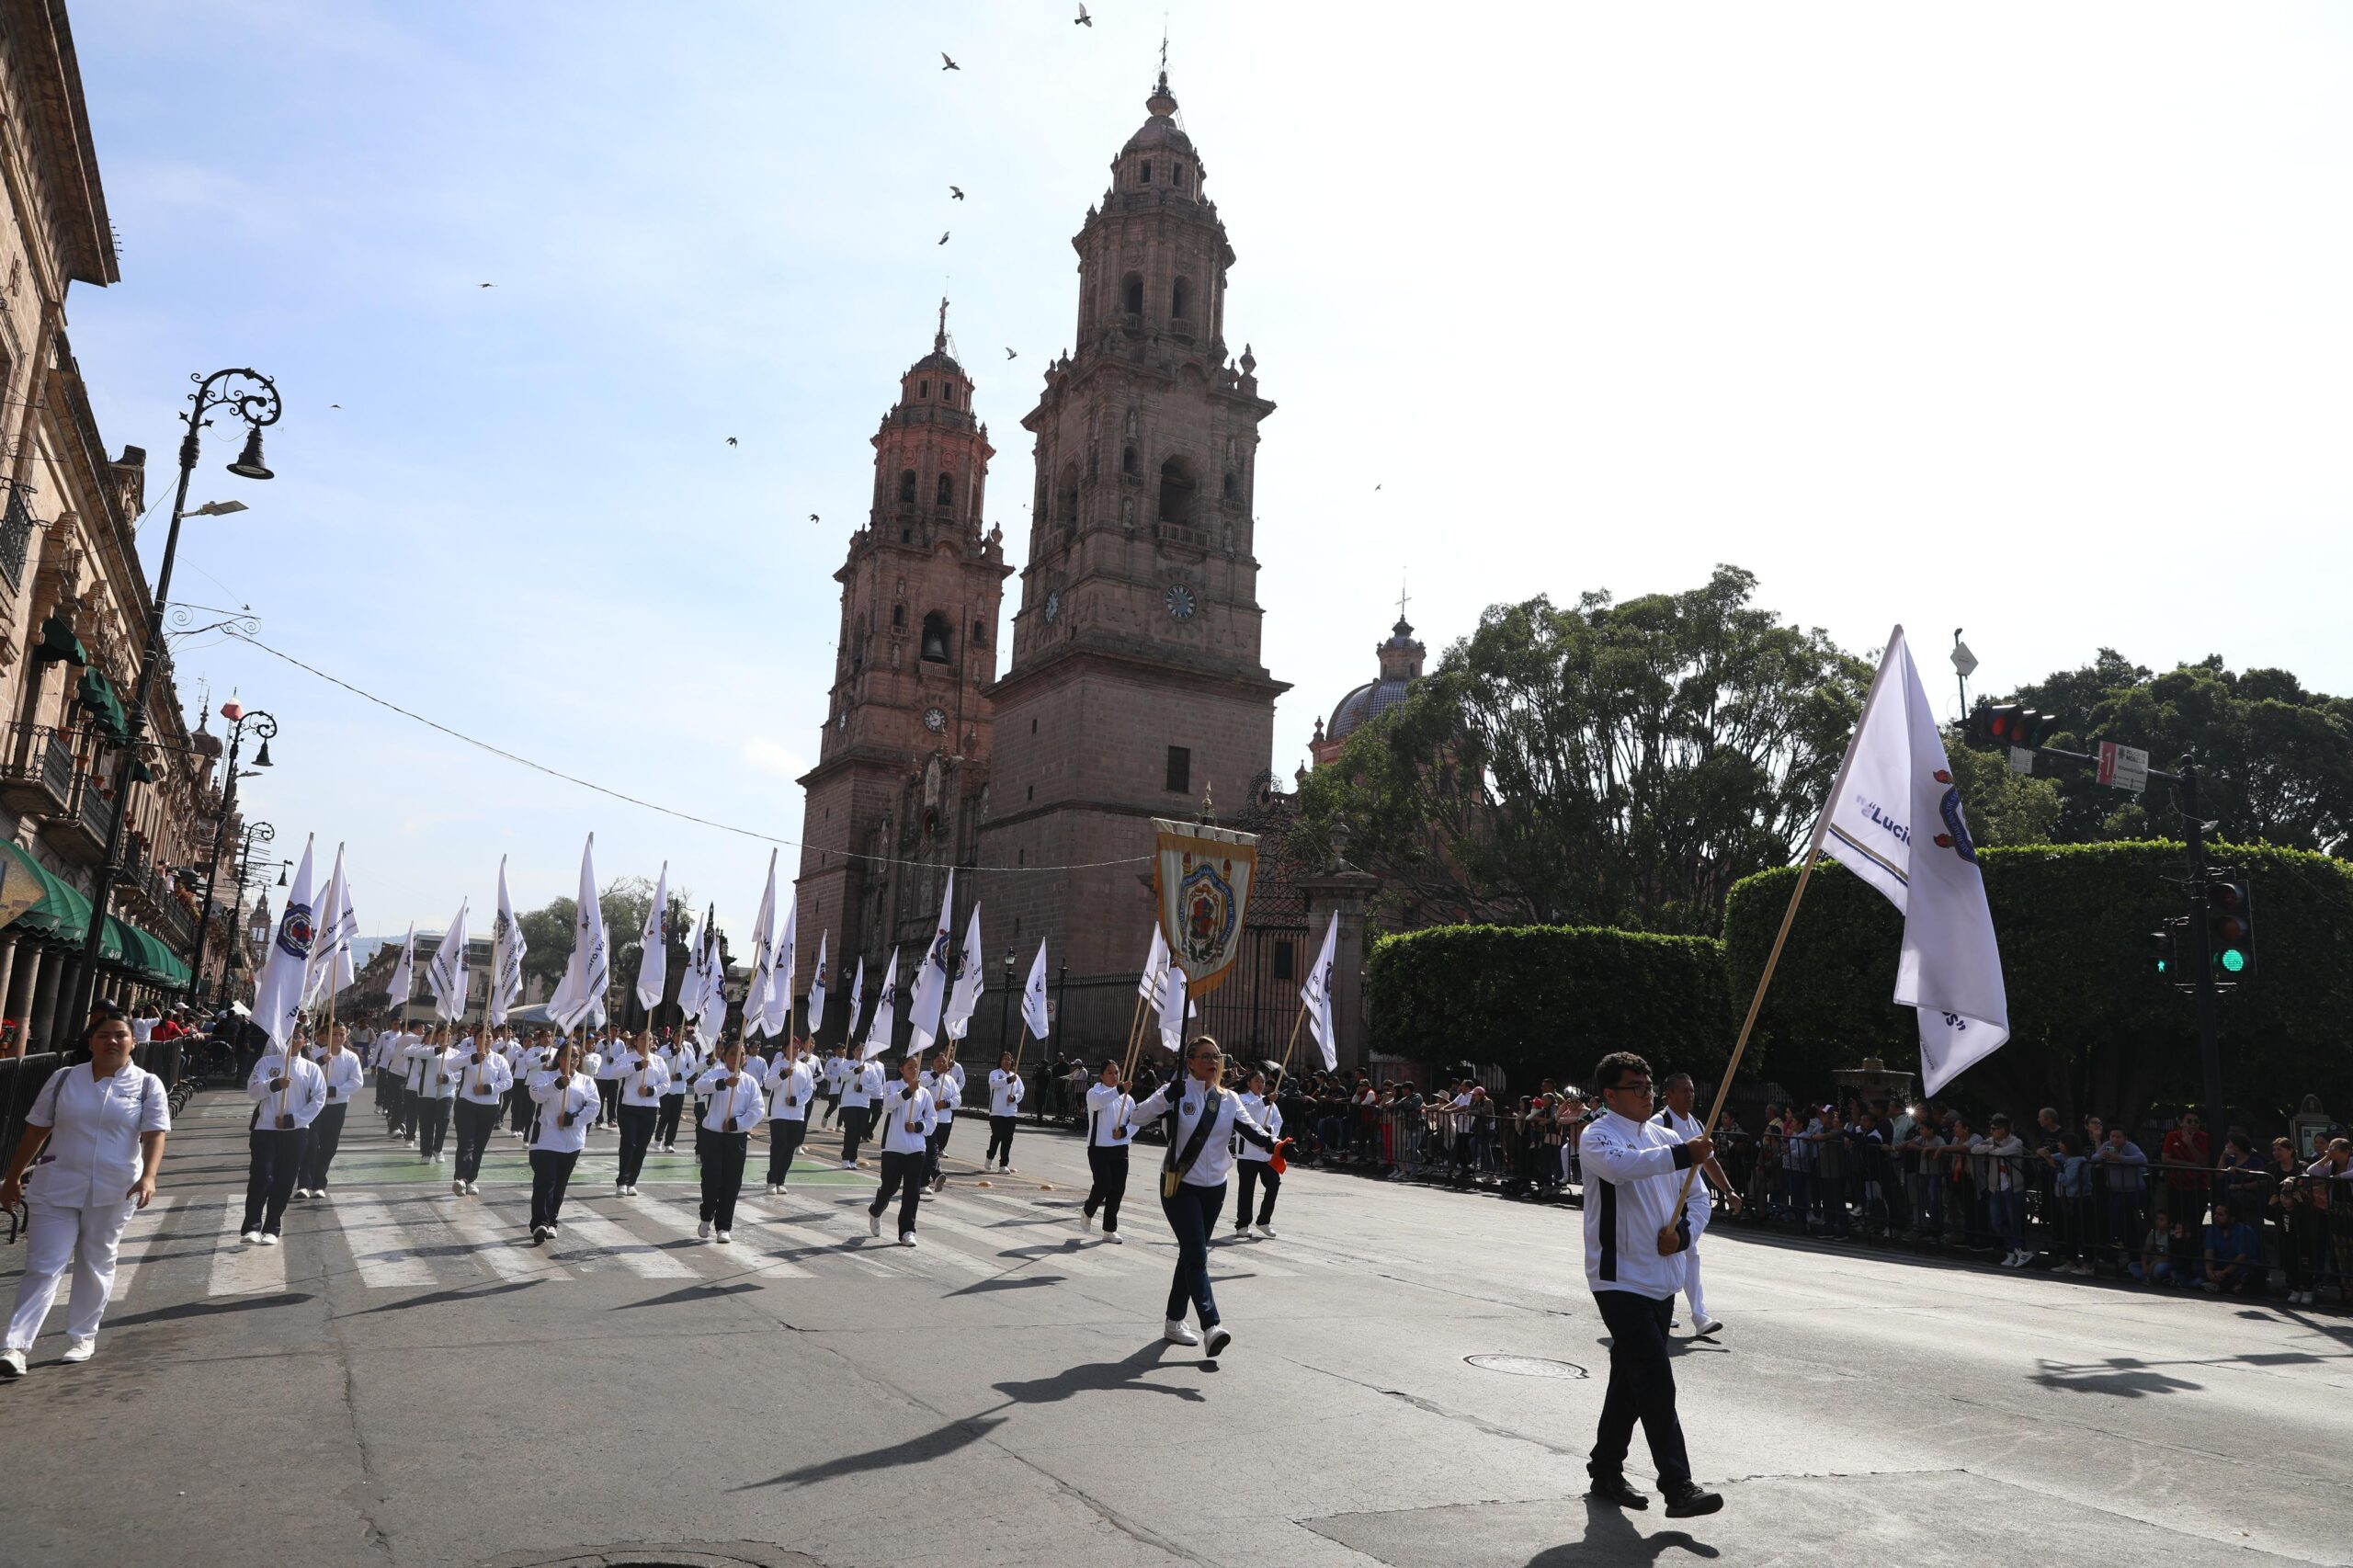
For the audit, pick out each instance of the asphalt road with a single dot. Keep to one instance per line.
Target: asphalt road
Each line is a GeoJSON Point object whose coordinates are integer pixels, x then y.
{"type": "Point", "coordinates": [405, 1382]}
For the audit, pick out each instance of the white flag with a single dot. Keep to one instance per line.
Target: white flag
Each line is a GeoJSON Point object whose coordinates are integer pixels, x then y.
{"type": "Point", "coordinates": [856, 989]}
{"type": "Point", "coordinates": [964, 991]}
{"type": "Point", "coordinates": [446, 976]}
{"type": "Point", "coordinates": [277, 993]}
{"type": "Point", "coordinates": [330, 967]}
{"type": "Point", "coordinates": [1033, 996]}
{"type": "Point", "coordinates": [1895, 819]}
{"type": "Point", "coordinates": [886, 1013]}
{"type": "Point", "coordinates": [1317, 995]}
{"type": "Point", "coordinates": [1156, 968]}
{"type": "Point", "coordinates": [1172, 1009]}
{"type": "Point", "coordinates": [403, 983]}
{"type": "Point", "coordinates": [784, 969]}
{"type": "Point", "coordinates": [653, 945]}
{"type": "Point", "coordinates": [506, 949]}
{"type": "Point", "coordinates": [756, 998]}
{"type": "Point", "coordinates": [580, 997]}
{"type": "Point", "coordinates": [817, 989]}
{"type": "Point", "coordinates": [931, 975]}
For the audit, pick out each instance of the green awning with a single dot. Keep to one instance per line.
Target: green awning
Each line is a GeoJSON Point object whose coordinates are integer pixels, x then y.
{"type": "Point", "coordinates": [62, 913]}
{"type": "Point", "coordinates": [105, 710]}
{"type": "Point", "coordinates": [58, 641]}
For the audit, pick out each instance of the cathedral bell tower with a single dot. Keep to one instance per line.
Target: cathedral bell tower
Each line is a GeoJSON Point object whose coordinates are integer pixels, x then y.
{"type": "Point", "coordinates": [1136, 681]}
{"type": "Point", "coordinates": [902, 760]}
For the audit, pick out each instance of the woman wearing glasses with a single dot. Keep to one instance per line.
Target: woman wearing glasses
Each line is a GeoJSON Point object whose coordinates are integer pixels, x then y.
{"type": "Point", "coordinates": [1204, 1120]}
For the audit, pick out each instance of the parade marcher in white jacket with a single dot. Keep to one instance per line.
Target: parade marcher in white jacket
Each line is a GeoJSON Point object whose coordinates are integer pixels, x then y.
{"type": "Point", "coordinates": [1203, 1122]}
{"type": "Point", "coordinates": [566, 1098]}
{"type": "Point", "coordinates": [340, 1068]}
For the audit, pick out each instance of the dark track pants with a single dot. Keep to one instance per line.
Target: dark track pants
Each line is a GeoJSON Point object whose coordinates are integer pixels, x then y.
{"type": "Point", "coordinates": [518, 1108]}
{"type": "Point", "coordinates": [939, 1132]}
{"type": "Point", "coordinates": [637, 1136]}
{"type": "Point", "coordinates": [723, 1175]}
{"type": "Point", "coordinates": [327, 1133]}
{"type": "Point", "coordinates": [269, 1178]}
{"type": "Point", "coordinates": [1000, 1149]}
{"type": "Point", "coordinates": [477, 1120]}
{"type": "Point", "coordinates": [1253, 1172]}
{"type": "Point", "coordinates": [784, 1141]}
{"type": "Point", "coordinates": [1110, 1168]}
{"type": "Point", "coordinates": [403, 1111]}
{"type": "Point", "coordinates": [1641, 1387]}
{"type": "Point", "coordinates": [551, 1173]}
{"type": "Point", "coordinates": [609, 1097]}
{"type": "Point", "coordinates": [901, 1174]}
{"type": "Point", "coordinates": [1192, 1215]}
{"type": "Point", "coordinates": [432, 1126]}
{"type": "Point", "coordinates": [666, 1125]}
{"type": "Point", "coordinates": [857, 1124]}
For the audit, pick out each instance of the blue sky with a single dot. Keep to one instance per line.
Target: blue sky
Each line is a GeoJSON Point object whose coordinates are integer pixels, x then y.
{"type": "Point", "coordinates": [2024, 319]}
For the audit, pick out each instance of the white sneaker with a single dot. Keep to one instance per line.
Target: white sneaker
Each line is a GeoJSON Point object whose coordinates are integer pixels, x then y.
{"type": "Point", "coordinates": [779, 1189]}
{"type": "Point", "coordinates": [908, 1240]}
{"type": "Point", "coordinates": [1219, 1340]}
{"type": "Point", "coordinates": [472, 1187]}
{"type": "Point", "coordinates": [538, 1234]}
{"type": "Point", "coordinates": [849, 1165]}
{"type": "Point", "coordinates": [874, 1224]}
{"type": "Point", "coordinates": [771, 1190]}
{"type": "Point", "coordinates": [1177, 1332]}
{"type": "Point", "coordinates": [1267, 1231]}
{"type": "Point", "coordinates": [1116, 1239]}
{"type": "Point", "coordinates": [724, 1237]}
{"type": "Point", "coordinates": [12, 1363]}
{"type": "Point", "coordinates": [269, 1238]}
{"type": "Point", "coordinates": [632, 1189]}
{"type": "Point", "coordinates": [250, 1238]}
{"type": "Point", "coordinates": [620, 1190]}
{"type": "Point", "coordinates": [1704, 1327]}
{"type": "Point", "coordinates": [457, 1188]}
{"type": "Point", "coordinates": [554, 1229]}
{"type": "Point", "coordinates": [1086, 1221]}
{"type": "Point", "coordinates": [81, 1347]}
{"type": "Point", "coordinates": [703, 1230]}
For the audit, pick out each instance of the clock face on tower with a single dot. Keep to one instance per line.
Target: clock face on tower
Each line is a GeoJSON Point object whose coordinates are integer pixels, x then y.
{"type": "Point", "coordinates": [1054, 607]}
{"type": "Point", "coordinates": [1180, 602]}
{"type": "Point", "coordinates": [934, 719]}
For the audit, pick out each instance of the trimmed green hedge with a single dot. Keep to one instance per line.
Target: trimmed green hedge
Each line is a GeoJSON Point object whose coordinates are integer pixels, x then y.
{"type": "Point", "coordinates": [1541, 1000]}
{"type": "Point", "coordinates": [2093, 1028]}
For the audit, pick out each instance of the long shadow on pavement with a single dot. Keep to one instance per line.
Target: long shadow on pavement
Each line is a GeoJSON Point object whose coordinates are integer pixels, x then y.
{"type": "Point", "coordinates": [1610, 1538]}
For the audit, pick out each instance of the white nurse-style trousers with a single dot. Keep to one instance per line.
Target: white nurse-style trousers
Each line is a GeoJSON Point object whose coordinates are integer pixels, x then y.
{"type": "Point", "coordinates": [84, 1240]}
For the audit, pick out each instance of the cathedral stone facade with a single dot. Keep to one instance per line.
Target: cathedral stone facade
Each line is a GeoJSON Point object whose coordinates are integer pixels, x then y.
{"type": "Point", "coordinates": [1135, 685]}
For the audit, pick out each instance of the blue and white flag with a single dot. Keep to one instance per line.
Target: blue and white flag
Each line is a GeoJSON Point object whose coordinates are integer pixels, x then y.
{"type": "Point", "coordinates": [446, 976]}
{"type": "Point", "coordinates": [931, 976]}
{"type": "Point", "coordinates": [403, 983]}
{"type": "Point", "coordinates": [580, 996]}
{"type": "Point", "coordinates": [653, 945]}
{"type": "Point", "coordinates": [964, 989]}
{"type": "Point", "coordinates": [856, 990]}
{"type": "Point", "coordinates": [817, 988]}
{"type": "Point", "coordinates": [886, 1013]}
{"type": "Point", "coordinates": [1895, 819]}
{"type": "Point", "coordinates": [1317, 995]}
{"type": "Point", "coordinates": [277, 993]}
{"type": "Point", "coordinates": [330, 967]}
{"type": "Point", "coordinates": [1034, 1012]}
{"type": "Point", "coordinates": [506, 949]}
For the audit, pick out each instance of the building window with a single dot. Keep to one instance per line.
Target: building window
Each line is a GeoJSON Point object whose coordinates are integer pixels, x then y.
{"type": "Point", "coordinates": [908, 487]}
{"type": "Point", "coordinates": [1034, 726]}
{"type": "Point", "coordinates": [1131, 293]}
{"type": "Point", "coordinates": [945, 491]}
{"type": "Point", "coordinates": [980, 635]}
{"type": "Point", "coordinates": [898, 618]}
{"type": "Point", "coordinates": [1128, 463]}
{"type": "Point", "coordinates": [1176, 490]}
{"type": "Point", "coordinates": [1283, 961]}
{"type": "Point", "coordinates": [1230, 489]}
{"type": "Point", "coordinates": [1067, 502]}
{"type": "Point", "coordinates": [922, 389]}
{"type": "Point", "coordinates": [1179, 296]}
{"type": "Point", "coordinates": [1145, 175]}
{"type": "Point", "coordinates": [1177, 176]}
{"type": "Point", "coordinates": [1033, 794]}
{"type": "Point", "coordinates": [934, 648]}
{"type": "Point", "coordinates": [1180, 770]}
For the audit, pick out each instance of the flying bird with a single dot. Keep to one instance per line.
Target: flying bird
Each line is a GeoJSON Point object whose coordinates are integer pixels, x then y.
{"type": "Point", "coordinates": [335, 405]}
{"type": "Point", "coordinates": [1011, 355]}
{"type": "Point", "coordinates": [812, 517]}
{"type": "Point", "coordinates": [943, 236]}
{"type": "Point", "coordinates": [1376, 488]}
{"type": "Point", "coordinates": [1082, 19]}
{"type": "Point", "coordinates": [490, 285]}
{"type": "Point", "coordinates": [957, 191]}
{"type": "Point", "coordinates": [947, 63]}
{"type": "Point", "coordinates": [730, 440]}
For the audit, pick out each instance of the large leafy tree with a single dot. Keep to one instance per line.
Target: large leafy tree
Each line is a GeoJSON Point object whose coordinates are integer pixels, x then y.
{"type": "Point", "coordinates": [2276, 761]}
{"type": "Point", "coordinates": [624, 900]}
{"type": "Point", "coordinates": [1617, 763]}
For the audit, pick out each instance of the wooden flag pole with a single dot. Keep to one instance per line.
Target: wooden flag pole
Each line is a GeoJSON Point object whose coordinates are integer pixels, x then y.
{"type": "Point", "coordinates": [1135, 1025]}
{"type": "Point", "coordinates": [1283, 1071]}
{"type": "Point", "coordinates": [1724, 1085]}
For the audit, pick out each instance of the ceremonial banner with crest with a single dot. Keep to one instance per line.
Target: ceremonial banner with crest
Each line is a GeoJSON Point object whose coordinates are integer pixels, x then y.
{"type": "Point", "coordinates": [1200, 887]}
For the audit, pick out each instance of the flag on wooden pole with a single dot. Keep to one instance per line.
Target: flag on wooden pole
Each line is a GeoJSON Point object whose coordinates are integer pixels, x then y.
{"type": "Point", "coordinates": [278, 992]}
{"type": "Point", "coordinates": [580, 996]}
{"type": "Point", "coordinates": [1895, 819]}
{"type": "Point", "coordinates": [931, 976]}
{"type": "Point", "coordinates": [964, 990]}
{"type": "Point", "coordinates": [653, 945]}
{"type": "Point", "coordinates": [1317, 995]}
{"type": "Point", "coordinates": [817, 987]}
{"type": "Point", "coordinates": [446, 976]}
{"type": "Point", "coordinates": [403, 983]}
{"type": "Point", "coordinates": [1033, 996]}
{"type": "Point", "coordinates": [506, 949]}
{"type": "Point", "coordinates": [886, 1013]}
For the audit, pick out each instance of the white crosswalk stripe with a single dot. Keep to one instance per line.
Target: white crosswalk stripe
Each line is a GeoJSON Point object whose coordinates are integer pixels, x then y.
{"type": "Point", "coordinates": [141, 1239]}
{"type": "Point", "coordinates": [815, 1244]}
{"type": "Point", "coordinates": [239, 1269]}
{"type": "Point", "coordinates": [379, 1244]}
{"type": "Point", "coordinates": [681, 1221]}
{"type": "Point", "coordinates": [639, 1257]}
{"type": "Point", "coordinates": [500, 1248]}
{"type": "Point", "coordinates": [1013, 1247]}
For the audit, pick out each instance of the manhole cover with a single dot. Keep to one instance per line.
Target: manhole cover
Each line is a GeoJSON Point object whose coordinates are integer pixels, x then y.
{"type": "Point", "coordinates": [1528, 1365]}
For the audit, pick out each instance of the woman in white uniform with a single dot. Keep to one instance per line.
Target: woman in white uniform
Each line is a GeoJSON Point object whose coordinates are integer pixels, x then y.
{"type": "Point", "coordinates": [437, 1088]}
{"type": "Point", "coordinates": [341, 1070]}
{"type": "Point", "coordinates": [945, 1082]}
{"type": "Point", "coordinates": [792, 1080]}
{"type": "Point", "coordinates": [100, 1131]}
{"type": "Point", "coordinates": [645, 1078]}
{"type": "Point", "coordinates": [684, 1059]}
{"type": "Point", "coordinates": [566, 1098]}
{"type": "Point", "coordinates": [1254, 1165]}
{"type": "Point", "coordinates": [1005, 1106]}
{"type": "Point", "coordinates": [287, 1094]}
{"type": "Point", "coordinates": [907, 1144]}
{"type": "Point", "coordinates": [1111, 1128]}
{"type": "Point", "coordinates": [1203, 1121]}
{"type": "Point", "coordinates": [483, 1079]}
{"type": "Point", "coordinates": [731, 1106]}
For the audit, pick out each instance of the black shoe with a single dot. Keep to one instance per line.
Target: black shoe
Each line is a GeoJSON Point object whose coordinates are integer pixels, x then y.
{"type": "Point", "coordinates": [1687, 1501]}
{"type": "Point", "coordinates": [1613, 1489]}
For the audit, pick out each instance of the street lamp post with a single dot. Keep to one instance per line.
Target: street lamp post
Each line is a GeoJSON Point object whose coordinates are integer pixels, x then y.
{"type": "Point", "coordinates": [255, 833]}
{"type": "Point", "coordinates": [267, 728]}
{"type": "Point", "coordinates": [253, 398]}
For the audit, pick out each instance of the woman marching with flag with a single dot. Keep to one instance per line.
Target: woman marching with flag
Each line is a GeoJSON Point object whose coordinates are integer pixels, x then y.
{"type": "Point", "coordinates": [567, 1101]}
{"type": "Point", "coordinates": [731, 1106]}
{"type": "Point", "coordinates": [791, 1083]}
{"type": "Point", "coordinates": [907, 1120]}
{"type": "Point", "coordinates": [1204, 1121]}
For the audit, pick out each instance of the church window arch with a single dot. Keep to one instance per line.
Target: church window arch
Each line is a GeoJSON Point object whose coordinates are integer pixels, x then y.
{"type": "Point", "coordinates": [1131, 293]}
{"type": "Point", "coordinates": [1143, 175]}
{"type": "Point", "coordinates": [922, 389]}
{"type": "Point", "coordinates": [898, 618]}
{"type": "Point", "coordinates": [980, 634]}
{"type": "Point", "coordinates": [1067, 502]}
{"type": "Point", "coordinates": [1128, 463]}
{"type": "Point", "coordinates": [1177, 176]}
{"type": "Point", "coordinates": [906, 487]}
{"type": "Point", "coordinates": [945, 491]}
{"type": "Point", "coordinates": [1177, 490]}
{"type": "Point", "coordinates": [934, 647]}
{"type": "Point", "coordinates": [1180, 297]}
{"type": "Point", "coordinates": [1231, 489]}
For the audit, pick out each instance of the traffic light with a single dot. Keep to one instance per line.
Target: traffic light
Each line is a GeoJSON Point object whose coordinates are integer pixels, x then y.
{"type": "Point", "coordinates": [2230, 927]}
{"type": "Point", "coordinates": [2031, 729]}
{"type": "Point", "coordinates": [2166, 953]}
{"type": "Point", "coordinates": [2005, 725]}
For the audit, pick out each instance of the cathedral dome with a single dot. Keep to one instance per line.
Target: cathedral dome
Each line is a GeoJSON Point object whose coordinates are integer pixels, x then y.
{"type": "Point", "coordinates": [1161, 132]}
{"type": "Point", "coordinates": [1400, 666]}
{"type": "Point", "coordinates": [1366, 701]}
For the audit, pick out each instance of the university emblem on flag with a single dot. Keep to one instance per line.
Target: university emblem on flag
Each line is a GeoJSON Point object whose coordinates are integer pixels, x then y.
{"type": "Point", "coordinates": [1201, 878]}
{"type": "Point", "coordinates": [1956, 834]}
{"type": "Point", "coordinates": [294, 931]}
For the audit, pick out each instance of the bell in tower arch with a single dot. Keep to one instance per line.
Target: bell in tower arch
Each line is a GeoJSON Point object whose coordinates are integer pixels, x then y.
{"type": "Point", "coordinates": [934, 648]}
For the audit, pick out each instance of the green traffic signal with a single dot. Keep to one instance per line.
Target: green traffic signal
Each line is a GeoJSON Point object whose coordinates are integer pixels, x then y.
{"type": "Point", "coordinates": [2232, 959]}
